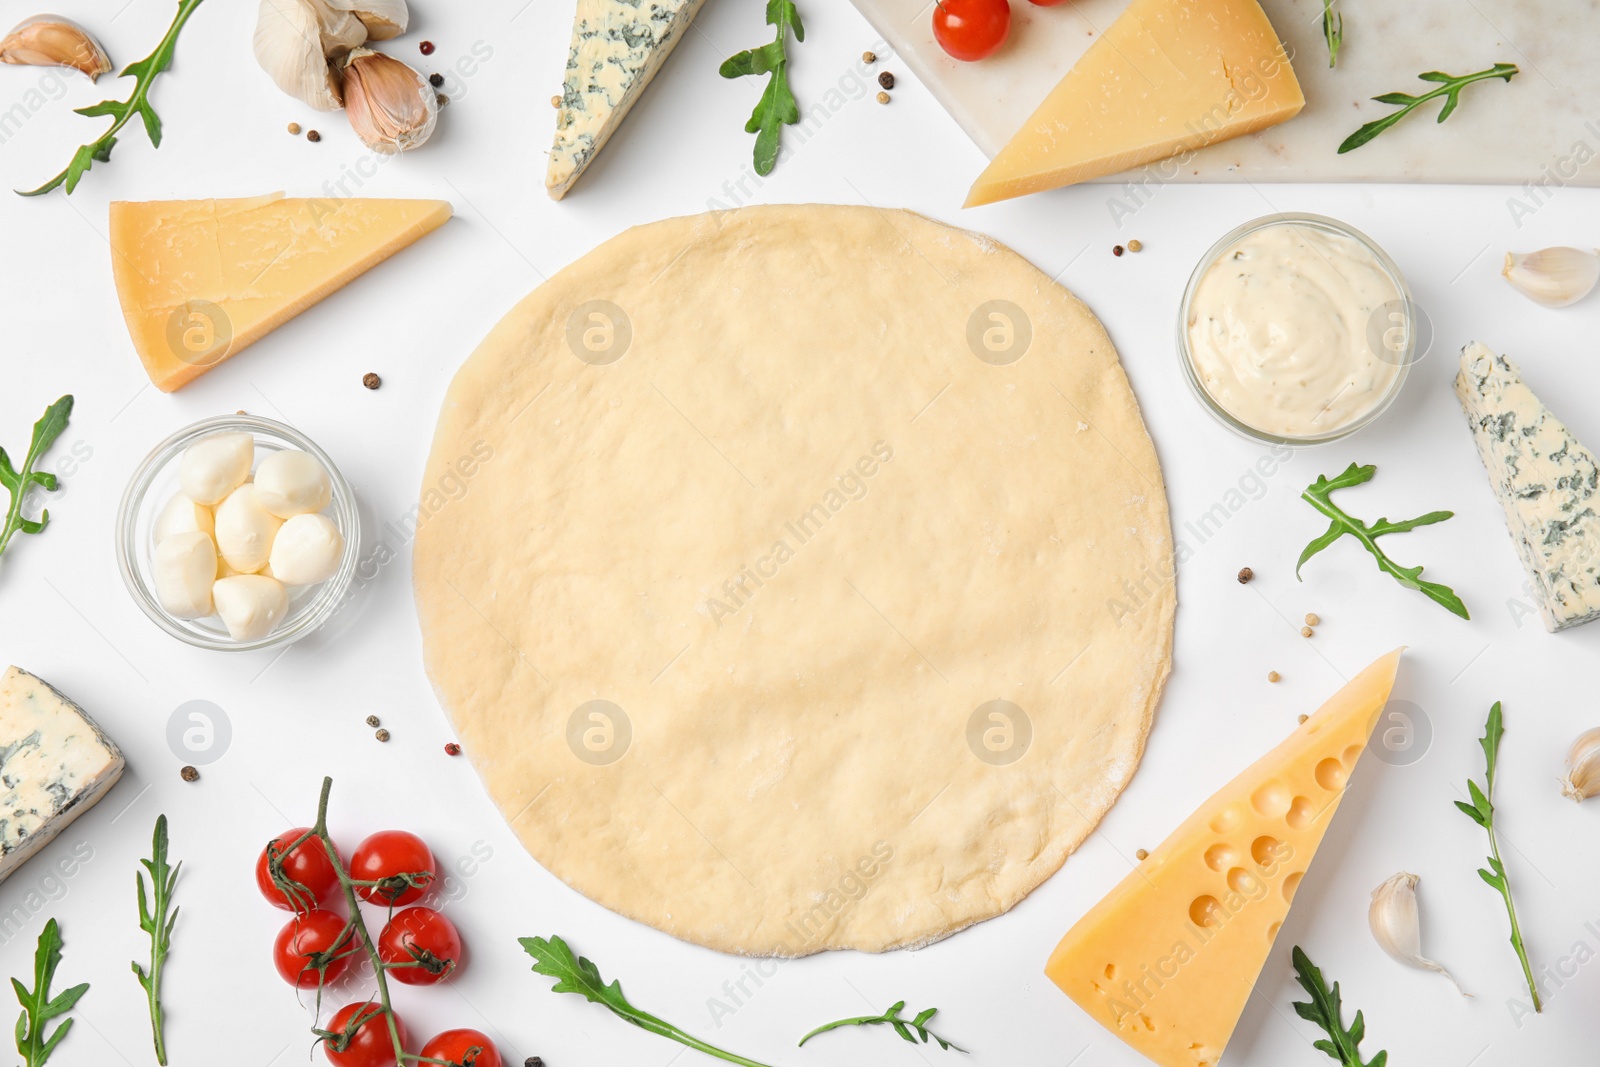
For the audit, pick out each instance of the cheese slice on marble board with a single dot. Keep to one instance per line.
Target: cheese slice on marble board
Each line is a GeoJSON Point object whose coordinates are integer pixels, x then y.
{"type": "Point", "coordinates": [200, 280]}
{"type": "Point", "coordinates": [1547, 482]}
{"type": "Point", "coordinates": [1166, 77]}
{"type": "Point", "coordinates": [1168, 959]}
{"type": "Point", "coordinates": [617, 48]}
{"type": "Point", "coordinates": [55, 764]}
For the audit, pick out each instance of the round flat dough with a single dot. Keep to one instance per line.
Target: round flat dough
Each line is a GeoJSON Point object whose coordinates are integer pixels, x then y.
{"type": "Point", "coordinates": [798, 577]}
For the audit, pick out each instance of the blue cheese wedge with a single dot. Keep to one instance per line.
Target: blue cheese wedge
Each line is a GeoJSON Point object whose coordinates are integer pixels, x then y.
{"type": "Point", "coordinates": [1545, 479]}
{"type": "Point", "coordinates": [617, 47]}
{"type": "Point", "coordinates": [55, 764]}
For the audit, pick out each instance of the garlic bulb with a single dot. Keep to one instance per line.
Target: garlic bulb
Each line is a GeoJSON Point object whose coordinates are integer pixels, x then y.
{"type": "Point", "coordinates": [53, 41]}
{"type": "Point", "coordinates": [1554, 277]}
{"type": "Point", "coordinates": [1396, 924]}
{"type": "Point", "coordinates": [391, 107]}
{"type": "Point", "coordinates": [291, 47]}
{"type": "Point", "coordinates": [1583, 767]}
{"type": "Point", "coordinates": [383, 19]}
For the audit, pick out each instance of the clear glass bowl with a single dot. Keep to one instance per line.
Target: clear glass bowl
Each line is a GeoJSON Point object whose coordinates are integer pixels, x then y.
{"type": "Point", "coordinates": [155, 482]}
{"type": "Point", "coordinates": [1403, 355]}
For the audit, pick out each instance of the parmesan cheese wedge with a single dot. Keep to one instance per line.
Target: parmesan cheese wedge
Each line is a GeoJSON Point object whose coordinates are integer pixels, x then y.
{"type": "Point", "coordinates": [1167, 960]}
{"type": "Point", "coordinates": [200, 280]}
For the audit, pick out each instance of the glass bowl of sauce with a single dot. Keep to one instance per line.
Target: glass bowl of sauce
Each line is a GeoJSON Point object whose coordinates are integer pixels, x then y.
{"type": "Point", "coordinates": [1296, 329]}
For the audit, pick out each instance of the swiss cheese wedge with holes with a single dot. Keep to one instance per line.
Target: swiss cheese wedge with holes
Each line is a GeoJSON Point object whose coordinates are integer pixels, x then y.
{"type": "Point", "coordinates": [1167, 960]}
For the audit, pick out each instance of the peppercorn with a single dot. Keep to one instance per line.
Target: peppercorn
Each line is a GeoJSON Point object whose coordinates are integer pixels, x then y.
{"type": "Point", "coordinates": [382, 735]}
{"type": "Point", "coordinates": [372, 720]}
{"type": "Point", "coordinates": [1245, 574]}
{"type": "Point", "coordinates": [294, 129]}
{"type": "Point", "coordinates": [1313, 619]}
{"type": "Point", "coordinates": [1135, 245]}
{"type": "Point", "coordinates": [371, 380]}
{"type": "Point", "coordinates": [886, 80]}
{"type": "Point", "coordinates": [313, 136]}
{"type": "Point", "coordinates": [426, 47]}
{"type": "Point", "coordinates": [436, 80]}
{"type": "Point", "coordinates": [1116, 250]}
{"type": "Point", "coordinates": [1303, 718]}
{"type": "Point", "coordinates": [1141, 855]}
{"type": "Point", "coordinates": [555, 101]}
{"type": "Point", "coordinates": [1273, 676]}
{"type": "Point", "coordinates": [452, 749]}
{"type": "Point", "coordinates": [869, 57]}
{"type": "Point", "coordinates": [1306, 631]}
{"type": "Point", "coordinates": [190, 774]}
{"type": "Point", "coordinates": [883, 98]}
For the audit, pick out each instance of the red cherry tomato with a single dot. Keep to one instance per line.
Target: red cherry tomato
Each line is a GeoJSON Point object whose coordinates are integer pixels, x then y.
{"type": "Point", "coordinates": [1046, 3]}
{"type": "Point", "coordinates": [310, 940]}
{"type": "Point", "coordinates": [369, 1043]}
{"type": "Point", "coordinates": [464, 1048]}
{"type": "Point", "coordinates": [307, 866]}
{"type": "Point", "coordinates": [420, 936]}
{"type": "Point", "coordinates": [386, 857]}
{"type": "Point", "coordinates": [971, 30]}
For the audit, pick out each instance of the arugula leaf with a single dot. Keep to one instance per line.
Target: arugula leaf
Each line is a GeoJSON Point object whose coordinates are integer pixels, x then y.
{"type": "Point", "coordinates": [777, 107]}
{"type": "Point", "coordinates": [1325, 1010]}
{"type": "Point", "coordinates": [37, 1007]}
{"type": "Point", "coordinates": [1319, 495]}
{"type": "Point", "coordinates": [1332, 31]}
{"type": "Point", "coordinates": [1481, 811]}
{"type": "Point", "coordinates": [45, 432]}
{"type": "Point", "coordinates": [1450, 86]}
{"type": "Point", "coordinates": [123, 111]}
{"type": "Point", "coordinates": [903, 1027]}
{"type": "Point", "coordinates": [158, 924]}
{"type": "Point", "coordinates": [575, 974]}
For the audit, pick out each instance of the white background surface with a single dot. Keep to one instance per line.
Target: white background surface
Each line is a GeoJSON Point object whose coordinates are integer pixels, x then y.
{"type": "Point", "coordinates": [65, 615]}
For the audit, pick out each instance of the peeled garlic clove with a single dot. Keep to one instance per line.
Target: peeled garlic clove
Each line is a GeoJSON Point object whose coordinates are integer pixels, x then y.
{"type": "Point", "coordinates": [182, 515]}
{"type": "Point", "coordinates": [383, 19]}
{"type": "Point", "coordinates": [53, 41]}
{"type": "Point", "coordinates": [306, 550]}
{"type": "Point", "coordinates": [215, 466]}
{"type": "Point", "coordinates": [251, 605]}
{"type": "Point", "coordinates": [245, 530]}
{"type": "Point", "coordinates": [184, 567]}
{"type": "Point", "coordinates": [391, 107]}
{"type": "Point", "coordinates": [1583, 767]}
{"type": "Point", "coordinates": [1554, 277]}
{"type": "Point", "coordinates": [291, 483]}
{"type": "Point", "coordinates": [290, 46]}
{"type": "Point", "coordinates": [1397, 925]}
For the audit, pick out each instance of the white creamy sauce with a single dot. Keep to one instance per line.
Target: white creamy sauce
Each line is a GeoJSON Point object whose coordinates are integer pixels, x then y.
{"type": "Point", "coordinates": [1278, 330]}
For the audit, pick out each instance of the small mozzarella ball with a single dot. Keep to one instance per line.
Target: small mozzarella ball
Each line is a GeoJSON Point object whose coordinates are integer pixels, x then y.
{"type": "Point", "coordinates": [215, 466]}
{"type": "Point", "coordinates": [182, 515]}
{"type": "Point", "coordinates": [251, 605]}
{"type": "Point", "coordinates": [245, 530]}
{"type": "Point", "coordinates": [306, 550]}
{"type": "Point", "coordinates": [184, 567]}
{"type": "Point", "coordinates": [293, 483]}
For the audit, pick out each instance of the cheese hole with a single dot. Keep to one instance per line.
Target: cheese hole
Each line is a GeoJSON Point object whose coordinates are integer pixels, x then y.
{"type": "Point", "coordinates": [1352, 754]}
{"type": "Point", "coordinates": [1219, 857]}
{"type": "Point", "coordinates": [1225, 820]}
{"type": "Point", "coordinates": [1243, 882]}
{"type": "Point", "coordinates": [1291, 883]}
{"type": "Point", "coordinates": [1272, 932]}
{"type": "Point", "coordinates": [1272, 799]}
{"type": "Point", "coordinates": [1264, 850]}
{"type": "Point", "coordinates": [1330, 775]}
{"type": "Point", "coordinates": [1111, 971]}
{"type": "Point", "coordinates": [1148, 1025]}
{"type": "Point", "coordinates": [1205, 911]}
{"type": "Point", "coordinates": [1301, 814]}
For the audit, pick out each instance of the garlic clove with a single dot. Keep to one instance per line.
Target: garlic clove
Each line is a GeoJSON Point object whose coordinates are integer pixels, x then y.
{"type": "Point", "coordinates": [1583, 767]}
{"type": "Point", "coordinates": [290, 46]}
{"type": "Point", "coordinates": [391, 107]}
{"type": "Point", "coordinates": [1554, 277]}
{"type": "Point", "coordinates": [53, 41]}
{"type": "Point", "coordinates": [383, 19]}
{"type": "Point", "coordinates": [1395, 918]}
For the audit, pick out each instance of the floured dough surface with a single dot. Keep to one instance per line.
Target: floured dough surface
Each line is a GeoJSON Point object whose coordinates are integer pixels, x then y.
{"type": "Point", "coordinates": [721, 609]}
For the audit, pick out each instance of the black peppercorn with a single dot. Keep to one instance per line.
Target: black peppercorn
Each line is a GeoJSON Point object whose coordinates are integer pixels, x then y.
{"type": "Point", "coordinates": [190, 774]}
{"type": "Point", "coordinates": [886, 80]}
{"type": "Point", "coordinates": [436, 80]}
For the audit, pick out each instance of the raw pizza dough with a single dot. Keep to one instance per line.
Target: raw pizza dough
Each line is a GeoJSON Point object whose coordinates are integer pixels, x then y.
{"type": "Point", "coordinates": [720, 608]}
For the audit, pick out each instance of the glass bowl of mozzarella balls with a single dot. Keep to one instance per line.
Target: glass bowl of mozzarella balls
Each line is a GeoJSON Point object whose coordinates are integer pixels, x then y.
{"type": "Point", "coordinates": [238, 533]}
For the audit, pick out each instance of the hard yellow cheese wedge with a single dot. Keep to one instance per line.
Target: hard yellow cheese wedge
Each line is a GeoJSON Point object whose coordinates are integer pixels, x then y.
{"type": "Point", "coordinates": [1167, 960]}
{"type": "Point", "coordinates": [200, 280]}
{"type": "Point", "coordinates": [1166, 77]}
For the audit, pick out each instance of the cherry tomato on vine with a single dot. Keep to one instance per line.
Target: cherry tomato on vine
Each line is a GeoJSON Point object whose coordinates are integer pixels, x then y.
{"type": "Point", "coordinates": [420, 936]}
{"type": "Point", "coordinates": [369, 1044]}
{"type": "Point", "coordinates": [309, 940]}
{"type": "Point", "coordinates": [307, 865]}
{"type": "Point", "coordinates": [971, 30]}
{"type": "Point", "coordinates": [385, 857]}
{"type": "Point", "coordinates": [464, 1048]}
